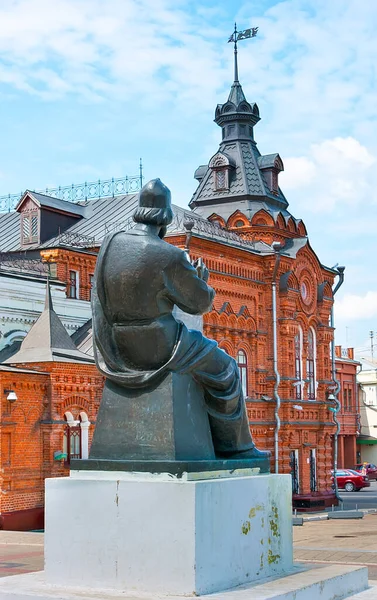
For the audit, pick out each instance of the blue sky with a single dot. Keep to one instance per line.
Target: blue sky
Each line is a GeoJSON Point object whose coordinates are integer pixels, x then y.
{"type": "Point", "coordinates": [89, 86]}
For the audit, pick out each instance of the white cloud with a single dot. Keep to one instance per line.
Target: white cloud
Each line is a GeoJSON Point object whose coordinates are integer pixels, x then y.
{"type": "Point", "coordinates": [337, 171]}
{"type": "Point", "coordinates": [150, 49]}
{"type": "Point", "coordinates": [353, 306]}
{"type": "Point", "coordinates": [298, 172]}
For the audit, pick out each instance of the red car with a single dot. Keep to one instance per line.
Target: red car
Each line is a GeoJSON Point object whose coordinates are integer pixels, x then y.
{"type": "Point", "coordinates": [370, 469]}
{"type": "Point", "coordinates": [351, 481]}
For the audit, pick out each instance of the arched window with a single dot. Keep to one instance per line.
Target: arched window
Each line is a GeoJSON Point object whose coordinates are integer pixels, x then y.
{"type": "Point", "coordinates": [242, 365]}
{"type": "Point", "coordinates": [71, 439]}
{"type": "Point", "coordinates": [310, 364]}
{"type": "Point", "coordinates": [76, 436]}
{"type": "Point", "coordinates": [298, 365]}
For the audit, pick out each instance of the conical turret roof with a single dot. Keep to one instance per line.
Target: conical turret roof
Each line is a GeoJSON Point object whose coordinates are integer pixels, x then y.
{"type": "Point", "coordinates": [48, 340]}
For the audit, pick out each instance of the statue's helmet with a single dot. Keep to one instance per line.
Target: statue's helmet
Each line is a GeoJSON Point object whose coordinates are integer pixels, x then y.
{"type": "Point", "coordinates": [154, 205]}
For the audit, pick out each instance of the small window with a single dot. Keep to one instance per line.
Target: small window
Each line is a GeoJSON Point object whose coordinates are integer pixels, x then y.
{"type": "Point", "coordinates": [298, 363]}
{"type": "Point", "coordinates": [91, 281]}
{"type": "Point", "coordinates": [239, 223]}
{"type": "Point", "coordinates": [313, 470]}
{"type": "Point", "coordinates": [310, 365]}
{"type": "Point", "coordinates": [30, 228]}
{"type": "Point", "coordinates": [242, 365]}
{"type": "Point", "coordinates": [294, 464]}
{"type": "Point", "coordinates": [72, 443]}
{"type": "Point", "coordinates": [220, 179]}
{"type": "Point", "coordinates": [73, 284]}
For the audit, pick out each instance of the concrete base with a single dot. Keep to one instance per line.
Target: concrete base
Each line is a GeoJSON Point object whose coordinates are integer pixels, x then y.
{"type": "Point", "coordinates": [327, 583]}
{"type": "Point", "coordinates": [162, 535]}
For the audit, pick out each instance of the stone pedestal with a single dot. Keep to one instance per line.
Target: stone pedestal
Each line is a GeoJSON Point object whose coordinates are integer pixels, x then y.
{"type": "Point", "coordinates": [162, 535]}
{"type": "Point", "coordinates": [175, 411]}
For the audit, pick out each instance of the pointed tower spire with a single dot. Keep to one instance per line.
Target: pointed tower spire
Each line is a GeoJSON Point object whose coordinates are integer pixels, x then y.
{"type": "Point", "coordinates": [235, 53]}
{"type": "Point", "coordinates": [237, 116]}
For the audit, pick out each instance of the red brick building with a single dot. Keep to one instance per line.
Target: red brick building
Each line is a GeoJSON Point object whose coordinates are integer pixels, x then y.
{"type": "Point", "coordinates": [271, 311]}
{"type": "Point", "coordinates": [50, 398]}
{"type": "Point", "coordinates": [349, 415]}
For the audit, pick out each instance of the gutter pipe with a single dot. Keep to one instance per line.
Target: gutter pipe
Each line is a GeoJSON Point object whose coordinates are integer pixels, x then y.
{"type": "Point", "coordinates": [276, 246]}
{"type": "Point", "coordinates": [340, 271]}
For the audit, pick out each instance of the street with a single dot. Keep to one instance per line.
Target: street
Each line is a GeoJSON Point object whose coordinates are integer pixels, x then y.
{"type": "Point", "coordinates": [366, 498]}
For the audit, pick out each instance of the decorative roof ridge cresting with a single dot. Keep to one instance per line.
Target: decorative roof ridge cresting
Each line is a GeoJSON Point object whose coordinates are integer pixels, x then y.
{"type": "Point", "coordinates": [81, 192]}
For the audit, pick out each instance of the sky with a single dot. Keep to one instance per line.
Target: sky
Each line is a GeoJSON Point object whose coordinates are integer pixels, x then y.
{"type": "Point", "coordinates": [87, 87]}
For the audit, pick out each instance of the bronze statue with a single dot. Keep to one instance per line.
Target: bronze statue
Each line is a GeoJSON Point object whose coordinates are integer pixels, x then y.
{"type": "Point", "coordinates": [138, 344]}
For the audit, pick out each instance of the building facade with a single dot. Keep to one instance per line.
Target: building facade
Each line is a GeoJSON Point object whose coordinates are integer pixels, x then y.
{"type": "Point", "coordinates": [50, 398]}
{"type": "Point", "coordinates": [271, 310]}
{"type": "Point", "coordinates": [349, 415]}
{"type": "Point", "coordinates": [367, 441]}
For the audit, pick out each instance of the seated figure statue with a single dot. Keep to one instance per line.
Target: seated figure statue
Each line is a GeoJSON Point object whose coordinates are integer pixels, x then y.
{"type": "Point", "coordinates": [138, 342]}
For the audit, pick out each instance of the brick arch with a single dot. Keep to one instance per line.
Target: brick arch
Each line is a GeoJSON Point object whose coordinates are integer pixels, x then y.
{"type": "Point", "coordinates": [248, 324]}
{"type": "Point", "coordinates": [38, 411]}
{"type": "Point", "coordinates": [216, 219]}
{"type": "Point", "coordinates": [232, 321]}
{"type": "Point", "coordinates": [211, 318]}
{"type": "Point", "coordinates": [302, 320]}
{"type": "Point", "coordinates": [280, 221]}
{"type": "Point", "coordinates": [75, 402]}
{"type": "Point", "coordinates": [236, 217]}
{"type": "Point", "coordinates": [327, 290]}
{"type": "Point", "coordinates": [18, 410]}
{"type": "Point", "coordinates": [314, 322]}
{"type": "Point", "coordinates": [226, 345]}
{"type": "Point", "coordinates": [293, 282]}
{"type": "Point", "coordinates": [301, 229]}
{"type": "Point", "coordinates": [291, 225]}
{"type": "Point", "coordinates": [262, 217]}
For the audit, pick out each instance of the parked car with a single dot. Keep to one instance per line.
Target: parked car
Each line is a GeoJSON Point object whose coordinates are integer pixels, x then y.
{"type": "Point", "coordinates": [351, 481]}
{"type": "Point", "coordinates": [367, 469]}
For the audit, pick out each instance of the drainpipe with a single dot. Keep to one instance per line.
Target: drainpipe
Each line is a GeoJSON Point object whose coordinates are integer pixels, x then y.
{"type": "Point", "coordinates": [336, 386]}
{"type": "Point", "coordinates": [276, 247]}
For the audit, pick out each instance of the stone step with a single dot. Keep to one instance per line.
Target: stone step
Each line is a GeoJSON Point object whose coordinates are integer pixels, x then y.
{"type": "Point", "coordinates": [323, 583]}
{"type": "Point", "coordinates": [369, 594]}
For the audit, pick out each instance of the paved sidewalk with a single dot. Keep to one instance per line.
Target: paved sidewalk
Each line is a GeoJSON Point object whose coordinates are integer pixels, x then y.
{"type": "Point", "coordinates": [340, 541]}
{"type": "Point", "coordinates": [20, 552]}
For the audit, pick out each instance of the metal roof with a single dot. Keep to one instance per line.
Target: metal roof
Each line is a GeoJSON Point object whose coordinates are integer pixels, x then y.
{"type": "Point", "coordinates": [54, 203]}
{"type": "Point", "coordinates": [101, 217]}
{"type": "Point", "coordinates": [10, 234]}
{"type": "Point", "coordinates": [113, 214]}
{"type": "Point", "coordinates": [246, 181]}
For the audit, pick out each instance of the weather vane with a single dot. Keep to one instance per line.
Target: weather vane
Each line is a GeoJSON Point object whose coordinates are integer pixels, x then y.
{"type": "Point", "coordinates": [238, 36]}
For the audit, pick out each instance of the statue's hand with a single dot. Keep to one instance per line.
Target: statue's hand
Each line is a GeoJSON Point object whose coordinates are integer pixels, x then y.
{"type": "Point", "coordinates": [205, 273]}
{"type": "Point", "coordinates": [202, 270]}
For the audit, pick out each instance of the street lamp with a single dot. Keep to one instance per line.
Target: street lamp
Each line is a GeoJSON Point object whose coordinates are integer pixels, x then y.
{"type": "Point", "coordinates": [12, 396]}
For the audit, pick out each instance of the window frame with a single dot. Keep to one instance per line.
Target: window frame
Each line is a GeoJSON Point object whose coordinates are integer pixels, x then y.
{"type": "Point", "coordinates": [75, 287]}
{"type": "Point", "coordinates": [242, 365]}
{"type": "Point", "coordinates": [29, 217]}
{"type": "Point", "coordinates": [298, 345]}
{"type": "Point", "coordinates": [311, 374]}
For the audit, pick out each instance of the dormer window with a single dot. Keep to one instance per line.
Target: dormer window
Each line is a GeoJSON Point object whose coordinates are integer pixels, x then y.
{"type": "Point", "coordinates": [30, 227]}
{"type": "Point", "coordinates": [220, 164]}
{"type": "Point", "coordinates": [44, 217]}
{"type": "Point", "coordinates": [271, 165]}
